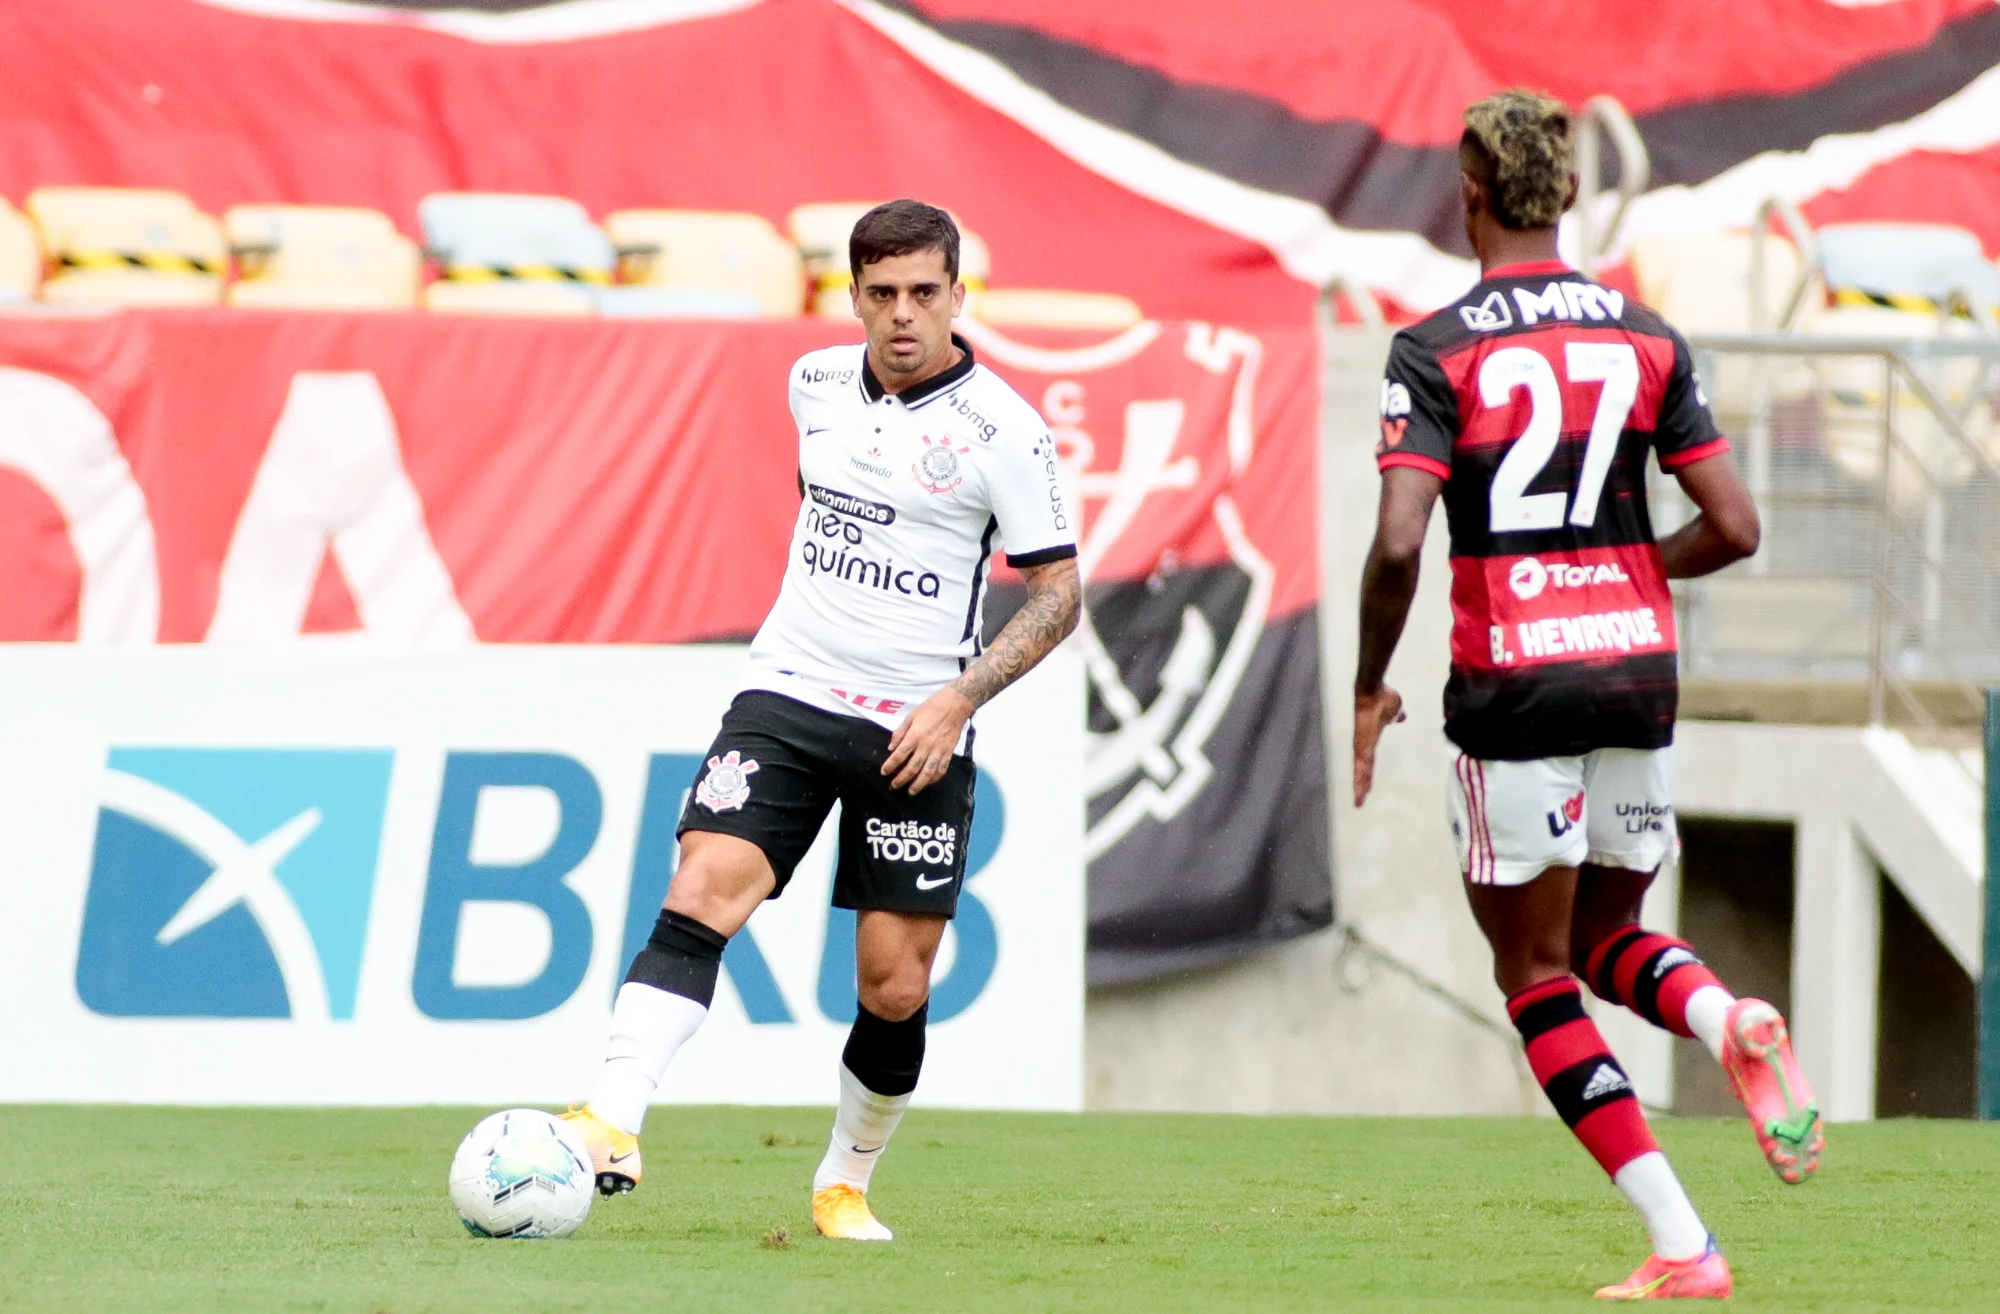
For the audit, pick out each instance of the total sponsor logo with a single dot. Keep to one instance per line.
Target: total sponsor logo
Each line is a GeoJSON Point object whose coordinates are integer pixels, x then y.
{"type": "Point", "coordinates": [912, 841]}
{"type": "Point", "coordinates": [1566, 818]}
{"type": "Point", "coordinates": [241, 883]}
{"type": "Point", "coordinates": [1529, 576]}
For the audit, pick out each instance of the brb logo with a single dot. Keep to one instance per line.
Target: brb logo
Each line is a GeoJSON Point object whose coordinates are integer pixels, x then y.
{"type": "Point", "coordinates": [232, 882]}
{"type": "Point", "coordinates": [240, 883]}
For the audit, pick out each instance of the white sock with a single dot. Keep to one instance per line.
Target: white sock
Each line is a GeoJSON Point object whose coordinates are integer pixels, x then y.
{"type": "Point", "coordinates": [862, 1126]}
{"type": "Point", "coordinates": [1707, 1012]}
{"type": "Point", "coordinates": [648, 1026]}
{"type": "Point", "coordinates": [1649, 1183]}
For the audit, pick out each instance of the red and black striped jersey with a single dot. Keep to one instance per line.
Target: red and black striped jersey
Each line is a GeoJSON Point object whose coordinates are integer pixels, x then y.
{"type": "Point", "coordinates": [1536, 398]}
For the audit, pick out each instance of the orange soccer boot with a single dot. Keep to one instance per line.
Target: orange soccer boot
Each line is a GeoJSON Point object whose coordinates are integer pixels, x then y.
{"type": "Point", "coordinates": [613, 1153]}
{"type": "Point", "coordinates": [1765, 1076]}
{"type": "Point", "coordinates": [841, 1212]}
{"type": "Point", "coordinates": [1705, 1277]}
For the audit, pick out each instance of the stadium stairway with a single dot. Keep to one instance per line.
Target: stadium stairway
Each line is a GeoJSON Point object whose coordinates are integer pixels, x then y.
{"type": "Point", "coordinates": [1393, 1010]}
{"type": "Point", "coordinates": [1866, 805]}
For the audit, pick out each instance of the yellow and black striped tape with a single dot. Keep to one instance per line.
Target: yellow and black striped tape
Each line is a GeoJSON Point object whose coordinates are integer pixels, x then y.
{"type": "Point", "coordinates": [157, 262]}
{"type": "Point", "coordinates": [831, 280]}
{"type": "Point", "coordinates": [525, 274]}
{"type": "Point", "coordinates": [1906, 301]}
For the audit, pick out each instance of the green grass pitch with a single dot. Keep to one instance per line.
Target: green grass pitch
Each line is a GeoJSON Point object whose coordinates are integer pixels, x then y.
{"type": "Point", "coordinates": [159, 1210]}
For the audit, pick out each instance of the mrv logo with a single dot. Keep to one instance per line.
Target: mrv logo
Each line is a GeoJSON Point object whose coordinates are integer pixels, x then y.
{"type": "Point", "coordinates": [241, 883]}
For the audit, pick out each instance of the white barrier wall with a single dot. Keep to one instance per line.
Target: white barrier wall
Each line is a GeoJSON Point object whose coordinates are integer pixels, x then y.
{"type": "Point", "coordinates": [328, 875]}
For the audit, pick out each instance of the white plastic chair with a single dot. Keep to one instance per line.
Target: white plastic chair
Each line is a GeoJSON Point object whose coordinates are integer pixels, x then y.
{"type": "Point", "coordinates": [313, 257]}
{"type": "Point", "coordinates": [1925, 268]}
{"type": "Point", "coordinates": [128, 246]}
{"type": "Point", "coordinates": [714, 260]}
{"type": "Point", "coordinates": [490, 242]}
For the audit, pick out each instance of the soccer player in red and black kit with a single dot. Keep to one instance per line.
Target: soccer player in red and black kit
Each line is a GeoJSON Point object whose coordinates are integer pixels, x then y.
{"type": "Point", "coordinates": [1531, 405]}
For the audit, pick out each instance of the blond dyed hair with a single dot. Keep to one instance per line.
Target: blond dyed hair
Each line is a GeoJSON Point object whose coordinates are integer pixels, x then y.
{"type": "Point", "coordinates": [1527, 147]}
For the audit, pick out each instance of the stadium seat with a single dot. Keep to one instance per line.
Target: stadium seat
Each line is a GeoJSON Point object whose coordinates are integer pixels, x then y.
{"type": "Point", "coordinates": [1019, 307]}
{"type": "Point", "coordinates": [821, 230]}
{"type": "Point", "coordinates": [20, 255]}
{"type": "Point", "coordinates": [309, 257]}
{"type": "Point", "coordinates": [713, 262]}
{"type": "Point", "coordinates": [1851, 403]}
{"type": "Point", "coordinates": [514, 255]}
{"type": "Point", "coordinates": [128, 246]}
{"type": "Point", "coordinates": [1925, 268]}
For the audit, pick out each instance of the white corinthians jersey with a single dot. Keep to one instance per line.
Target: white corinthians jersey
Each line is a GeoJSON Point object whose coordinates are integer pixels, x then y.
{"type": "Point", "coordinates": [904, 501]}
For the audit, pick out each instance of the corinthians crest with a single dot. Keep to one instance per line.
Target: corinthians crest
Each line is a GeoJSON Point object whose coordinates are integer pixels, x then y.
{"type": "Point", "coordinates": [726, 787]}
{"type": "Point", "coordinates": [937, 469]}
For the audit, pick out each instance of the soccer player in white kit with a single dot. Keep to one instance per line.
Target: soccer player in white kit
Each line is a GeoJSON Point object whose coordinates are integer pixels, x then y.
{"type": "Point", "coordinates": [915, 464]}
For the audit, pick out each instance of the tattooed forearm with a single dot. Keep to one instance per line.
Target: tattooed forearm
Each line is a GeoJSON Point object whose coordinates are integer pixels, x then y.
{"type": "Point", "coordinates": [1055, 597]}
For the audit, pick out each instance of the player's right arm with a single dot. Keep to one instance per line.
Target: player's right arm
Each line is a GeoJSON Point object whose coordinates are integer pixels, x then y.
{"type": "Point", "coordinates": [1419, 430]}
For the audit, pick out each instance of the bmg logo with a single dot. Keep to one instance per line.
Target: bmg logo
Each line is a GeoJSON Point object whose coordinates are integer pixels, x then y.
{"type": "Point", "coordinates": [239, 882]}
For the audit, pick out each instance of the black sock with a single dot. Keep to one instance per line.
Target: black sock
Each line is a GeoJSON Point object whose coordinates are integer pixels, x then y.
{"type": "Point", "coordinates": [887, 1056]}
{"type": "Point", "coordinates": [682, 957]}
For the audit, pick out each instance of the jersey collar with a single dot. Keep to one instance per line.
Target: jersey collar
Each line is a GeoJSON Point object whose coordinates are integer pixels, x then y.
{"type": "Point", "coordinates": [1528, 269]}
{"type": "Point", "coordinates": [871, 387]}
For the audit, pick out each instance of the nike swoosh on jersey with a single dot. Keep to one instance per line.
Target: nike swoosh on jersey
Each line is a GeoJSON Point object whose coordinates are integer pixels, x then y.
{"type": "Point", "coordinates": [825, 428]}
{"type": "Point", "coordinates": [932, 882]}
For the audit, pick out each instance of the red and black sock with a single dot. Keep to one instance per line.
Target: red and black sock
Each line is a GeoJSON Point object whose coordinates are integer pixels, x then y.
{"type": "Point", "coordinates": [1652, 974]}
{"type": "Point", "coordinates": [1590, 1092]}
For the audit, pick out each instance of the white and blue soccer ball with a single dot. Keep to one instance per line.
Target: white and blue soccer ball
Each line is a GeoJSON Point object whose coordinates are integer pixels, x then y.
{"type": "Point", "coordinates": [522, 1173]}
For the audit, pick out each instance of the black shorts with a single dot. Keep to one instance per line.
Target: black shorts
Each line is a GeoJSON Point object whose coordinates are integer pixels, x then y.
{"type": "Point", "coordinates": [778, 766]}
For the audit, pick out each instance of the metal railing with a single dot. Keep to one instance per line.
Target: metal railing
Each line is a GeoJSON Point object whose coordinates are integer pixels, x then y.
{"type": "Point", "coordinates": [1601, 117]}
{"type": "Point", "coordinates": [1874, 464]}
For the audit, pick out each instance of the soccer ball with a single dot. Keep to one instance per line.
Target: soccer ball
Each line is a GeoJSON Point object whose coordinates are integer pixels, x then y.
{"type": "Point", "coordinates": [522, 1173]}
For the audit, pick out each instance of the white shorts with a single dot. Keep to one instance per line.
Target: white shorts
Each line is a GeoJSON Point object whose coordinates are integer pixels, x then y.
{"type": "Point", "coordinates": [1514, 820]}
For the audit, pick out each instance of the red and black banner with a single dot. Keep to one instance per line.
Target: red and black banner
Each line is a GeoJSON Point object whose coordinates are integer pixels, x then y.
{"type": "Point", "coordinates": [233, 476]}
{"type": "Point", "coordinates": [1211, 162]}
{"type": "Point", "coordinates": [1356, 108]}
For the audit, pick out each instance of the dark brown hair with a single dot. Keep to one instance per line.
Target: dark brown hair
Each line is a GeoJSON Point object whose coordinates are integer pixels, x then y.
{"type": "Point", "coordinates": [1522, 150]}
{"type": "Point", "coordinates": [900, 228]}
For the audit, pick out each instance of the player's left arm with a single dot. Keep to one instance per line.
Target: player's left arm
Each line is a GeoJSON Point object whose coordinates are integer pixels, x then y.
{"type": "Point", "coordinates": [1727, 529]}
{"type": "Point", "coordinates": [922, 746]}
{"type": "Point", "coordinates": [1693, 450]}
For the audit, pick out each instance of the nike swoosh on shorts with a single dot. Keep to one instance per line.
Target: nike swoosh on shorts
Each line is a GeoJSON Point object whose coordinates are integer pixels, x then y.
{"type": "Point", "coordinates": [930, 883]}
